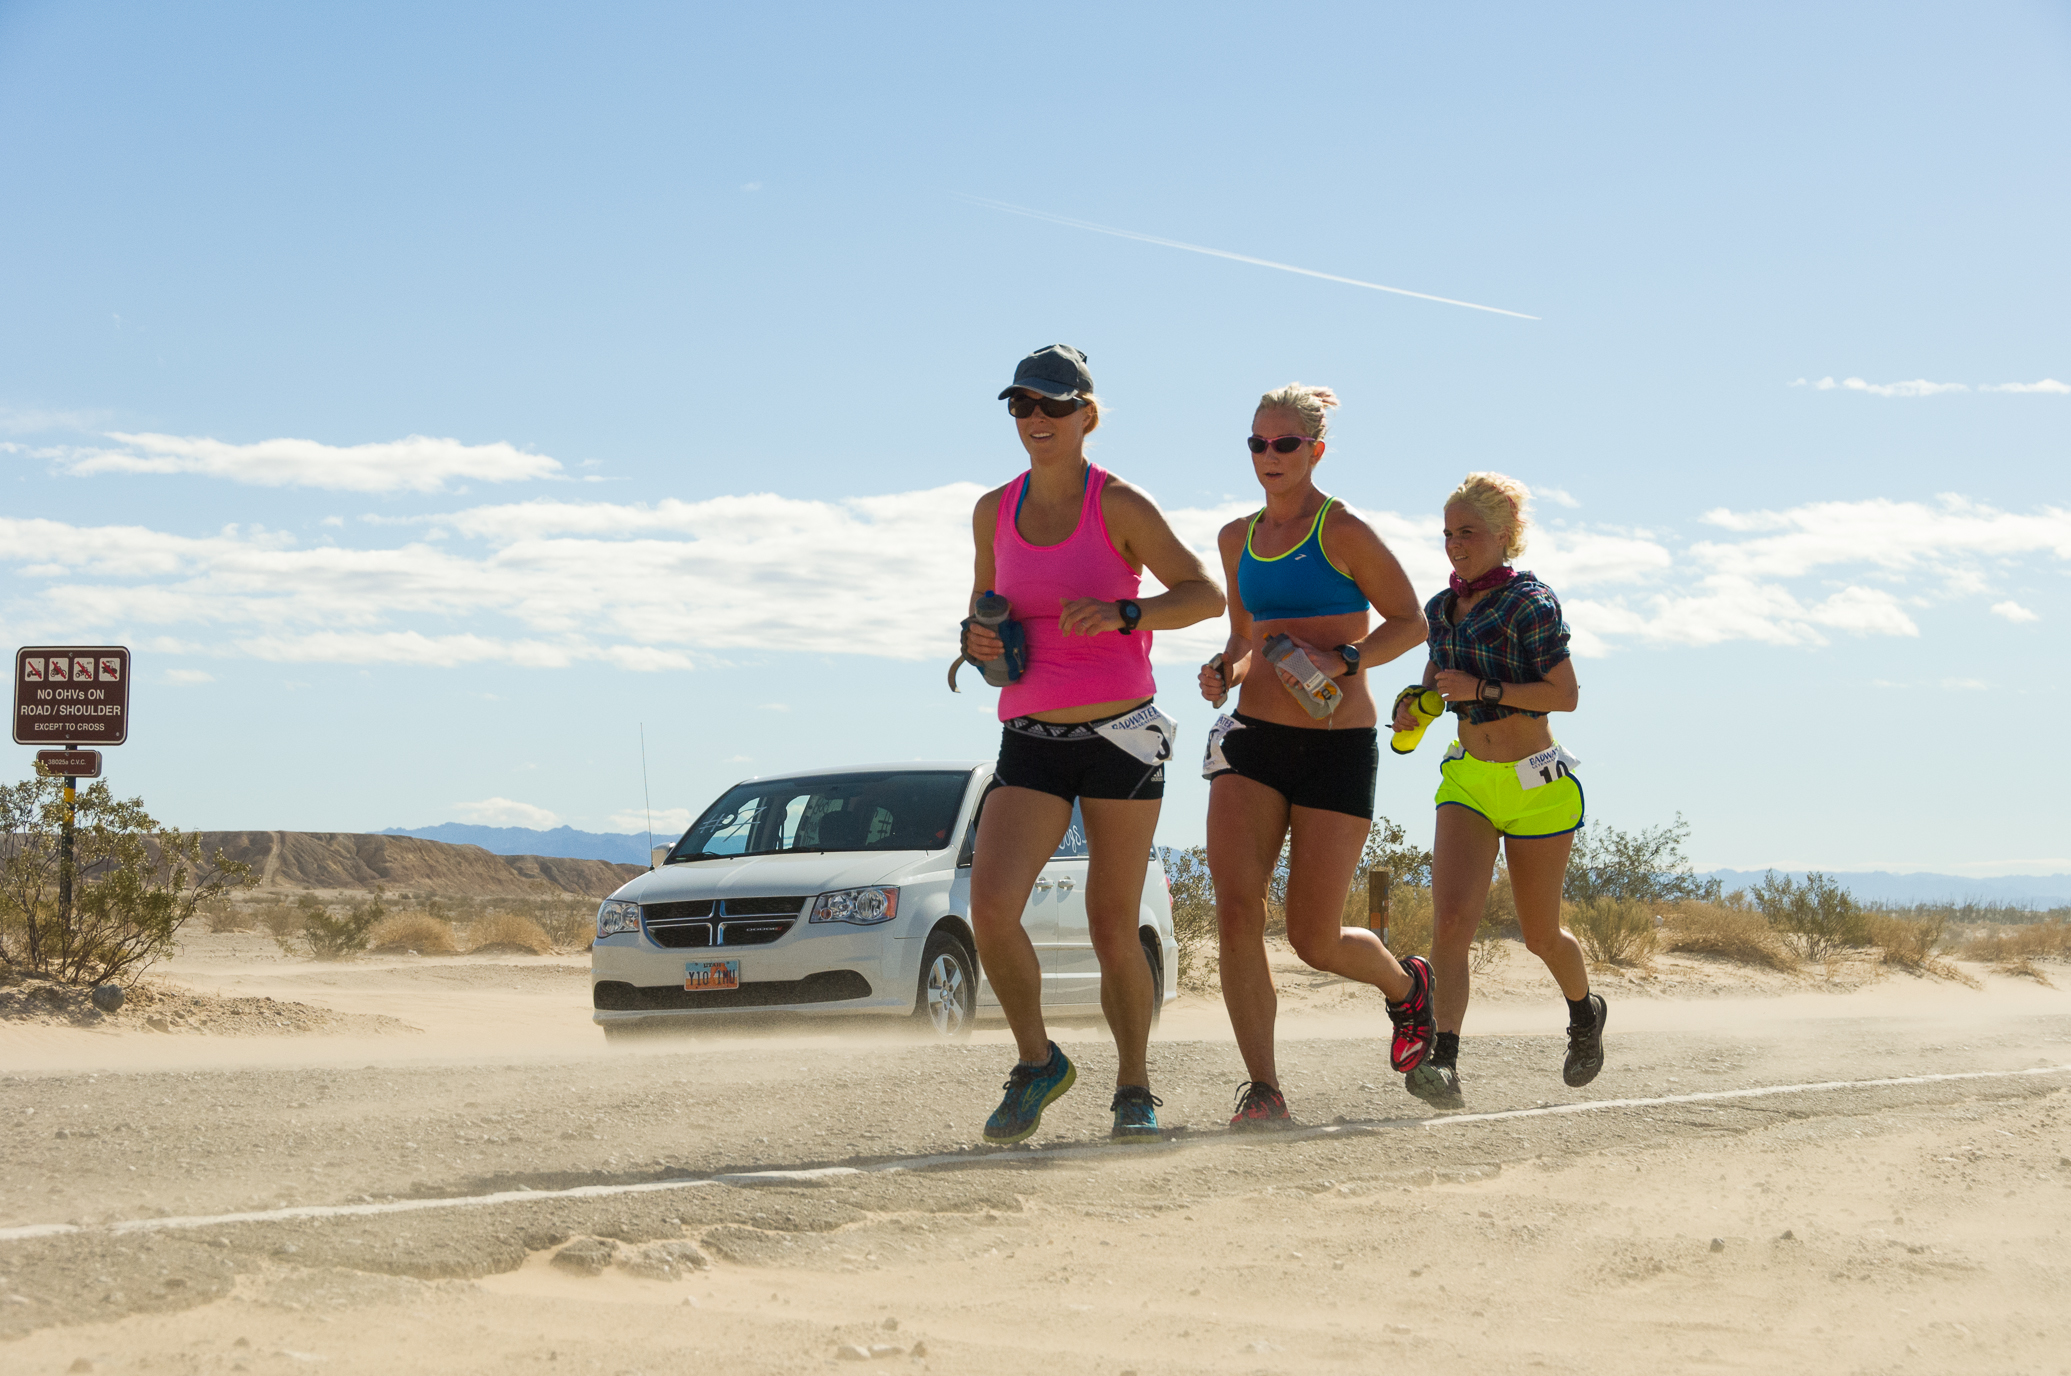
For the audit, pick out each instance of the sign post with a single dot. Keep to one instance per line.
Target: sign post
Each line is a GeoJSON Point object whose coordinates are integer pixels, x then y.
{"type": "Point", "coordinates": [64, 696]}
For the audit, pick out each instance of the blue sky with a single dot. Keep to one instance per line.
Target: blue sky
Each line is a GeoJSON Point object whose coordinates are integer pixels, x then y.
{"type": "Point", "coordinates": [433, 394]}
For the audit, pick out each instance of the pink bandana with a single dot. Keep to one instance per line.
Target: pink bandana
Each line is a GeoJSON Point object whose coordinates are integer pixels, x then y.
{"type": "Point", "coordinates": [1494, 578]}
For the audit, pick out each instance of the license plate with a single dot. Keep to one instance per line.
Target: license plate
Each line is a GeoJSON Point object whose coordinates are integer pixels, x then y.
{"type": "Point", "coordinates": [700, 975]}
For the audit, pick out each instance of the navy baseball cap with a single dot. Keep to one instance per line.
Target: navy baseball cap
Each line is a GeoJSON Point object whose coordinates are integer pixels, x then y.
{"type": "Point", "coordinates": [1056, 371]}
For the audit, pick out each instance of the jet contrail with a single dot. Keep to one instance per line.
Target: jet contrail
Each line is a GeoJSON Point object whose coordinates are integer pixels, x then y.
{"type": "Point", "coordinates": [1224, 253]}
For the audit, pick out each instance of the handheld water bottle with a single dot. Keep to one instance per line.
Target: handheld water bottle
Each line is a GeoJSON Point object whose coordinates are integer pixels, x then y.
{"type": "Point", "coordinates": [1426, 706]}
{"type": "Point", "coordinates": [1317, 693]}
{"type": "Point", "coordinates": [1216, 663]}
{"type": "Point", "coordinates": [991, 611]}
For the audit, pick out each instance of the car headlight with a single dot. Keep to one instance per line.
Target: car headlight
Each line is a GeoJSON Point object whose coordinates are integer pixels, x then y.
{"type": "Point", "coordinates": [860, 906]}
{"type": "Point", "coordinates": [617, 915]}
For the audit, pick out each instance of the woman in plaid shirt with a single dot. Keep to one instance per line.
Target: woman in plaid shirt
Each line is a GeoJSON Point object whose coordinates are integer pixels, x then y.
{"type": "Point", "coordinates": [1499, 658]}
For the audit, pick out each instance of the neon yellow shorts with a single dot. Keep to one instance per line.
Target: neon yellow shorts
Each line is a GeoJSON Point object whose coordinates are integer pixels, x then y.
{"type": "Point", "coordinates": [1550, 806]}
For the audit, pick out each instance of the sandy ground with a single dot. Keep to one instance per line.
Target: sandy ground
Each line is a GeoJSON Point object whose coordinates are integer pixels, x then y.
{"type": "Point", "coordinates": [1849, 1227]}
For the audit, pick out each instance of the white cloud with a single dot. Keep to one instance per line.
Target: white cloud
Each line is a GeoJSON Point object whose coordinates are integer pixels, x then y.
{"type": "Point", "coordinates": [2014, 611]}
{"type": "Point", "coordinates": [503, 812]}
{"type": "Point", "coordinates": [1918, 387]}
{"type": "Point", "coordinates": [668, 586]}
{"type": "Point", "coordinates": [188, 676]}
{"type": "Point", "coordinates": [669, 822]}
{"type": "Point", "coordinates": [1559, 496]}
{"type": "Point", "coordinates": [416, 464]}
{"type": "Point", "coordinates": [2048, 384]}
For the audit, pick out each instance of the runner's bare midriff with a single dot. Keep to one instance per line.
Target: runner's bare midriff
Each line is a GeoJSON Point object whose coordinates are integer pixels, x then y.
{"type": "Point", "coordinates": [1092, 711]}
{"type": "Point", "coordinates": [1507, 739]}
{"type": "Point", "coordinates": [1265, 695]}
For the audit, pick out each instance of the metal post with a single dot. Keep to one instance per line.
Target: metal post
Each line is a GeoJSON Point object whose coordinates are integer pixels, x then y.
{"type": "Point", "coordinates": [65, 860]}
{"type": "Point", "coordinates": [1377, 902]}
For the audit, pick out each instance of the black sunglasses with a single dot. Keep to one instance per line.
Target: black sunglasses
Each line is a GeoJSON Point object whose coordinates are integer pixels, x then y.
{"type": "Point", "coordinates": [1285, 444]}
{"type": "Point", "coordinates": [1021, 406]}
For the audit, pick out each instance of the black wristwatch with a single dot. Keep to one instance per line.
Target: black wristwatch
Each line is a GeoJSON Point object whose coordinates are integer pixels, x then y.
{"type": "Point", "coordinates": [1349, 654]}
{"type": "Point", "coordinates": [1131, 614]}
{"type": "Point", "coordinates": [1482, 692]}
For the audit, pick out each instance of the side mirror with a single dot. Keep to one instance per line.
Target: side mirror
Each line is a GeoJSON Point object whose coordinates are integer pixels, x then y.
{"type": "Point", "coordinates": [659, 856]}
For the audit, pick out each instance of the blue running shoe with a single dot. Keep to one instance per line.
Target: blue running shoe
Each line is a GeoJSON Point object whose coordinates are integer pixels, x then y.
{"type": "Point", "coordinates": [1030, 1090]}
{"type": "Point", "coordinates": [1136, 1115]}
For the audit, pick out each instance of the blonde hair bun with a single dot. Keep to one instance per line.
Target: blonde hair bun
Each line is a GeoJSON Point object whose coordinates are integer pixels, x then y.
{"type": "Point", "coordinates": [1503, 502]}
{"type": "Point", "coordinates": [1306, 402]}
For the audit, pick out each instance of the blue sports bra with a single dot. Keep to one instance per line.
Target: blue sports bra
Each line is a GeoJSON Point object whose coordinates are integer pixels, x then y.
{"type": "Point", "coordinates": [1301, 582]}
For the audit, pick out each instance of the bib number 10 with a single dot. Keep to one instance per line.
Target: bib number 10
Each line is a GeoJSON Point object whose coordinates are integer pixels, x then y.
{"type": "Point", "coordinates": [1550, 765]}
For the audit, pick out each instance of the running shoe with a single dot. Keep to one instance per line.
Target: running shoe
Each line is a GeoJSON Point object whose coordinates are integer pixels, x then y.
{"type": "Point", "coordinates": [1260, 1107]}
{"type": "Point", "coordinates": [1437, 1085]}
{"type": "Point", "coordinates": [1030, 1090]}
{"type": "Point", "coordinates": [1412, 1018]}
{"type": "Point", "coordinates": [1586, 1047]}
{"type": "Point", "coordinates": [1136, 1115]}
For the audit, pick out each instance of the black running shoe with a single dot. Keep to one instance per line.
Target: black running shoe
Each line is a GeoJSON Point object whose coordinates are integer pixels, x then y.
{"type": "Point", "coordinates": [1260, 1107]}
{"type": "Point", "coordinates": [1586, 1047]}
{"type": "Point", "coordinates": [1136, 1115]}
{"type": "Point", "coordinates": [1437, 1085]}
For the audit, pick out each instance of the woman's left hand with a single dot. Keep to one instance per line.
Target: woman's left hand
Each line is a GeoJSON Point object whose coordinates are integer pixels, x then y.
{"type": "Point", "coordinates": [1089, 616]}
{"type": "Point", "coordinates": [1455, 686]}
{"type": "Point", "coordinates": [1329, 663]}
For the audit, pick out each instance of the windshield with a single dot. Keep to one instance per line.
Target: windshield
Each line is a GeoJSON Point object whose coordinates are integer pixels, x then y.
{"type": "Point", "coordinates": [889, 810]}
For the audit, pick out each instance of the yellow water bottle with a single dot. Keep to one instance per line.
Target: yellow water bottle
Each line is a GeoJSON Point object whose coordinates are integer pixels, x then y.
{"type": "Point", "coordinates": [1426, 706]}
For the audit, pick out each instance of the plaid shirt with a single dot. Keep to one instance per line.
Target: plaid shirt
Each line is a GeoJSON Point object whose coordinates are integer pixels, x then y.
{"type": "Point", "coordinates": [1513, 635]}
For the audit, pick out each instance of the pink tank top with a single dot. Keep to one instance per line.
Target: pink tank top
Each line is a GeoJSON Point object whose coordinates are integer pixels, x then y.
{"type": "Point", "coordinates": [1068, 671]}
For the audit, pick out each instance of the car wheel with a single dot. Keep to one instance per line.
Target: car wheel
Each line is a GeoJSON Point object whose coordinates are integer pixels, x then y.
{"type": "Point", "coordinates": [1156, 957]}
{"type": "Point", "coordinates": [948, 1000]}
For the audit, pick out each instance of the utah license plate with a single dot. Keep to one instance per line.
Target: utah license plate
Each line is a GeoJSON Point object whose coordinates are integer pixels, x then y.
{"type": "Point", "coordinates": [700, 975]}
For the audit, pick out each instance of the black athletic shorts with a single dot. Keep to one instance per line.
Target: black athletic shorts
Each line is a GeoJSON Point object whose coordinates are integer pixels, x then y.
{"type": "Point", "coordinates": [1333, 770]}
{"type": "Point", "coordinates": [1073, 761]}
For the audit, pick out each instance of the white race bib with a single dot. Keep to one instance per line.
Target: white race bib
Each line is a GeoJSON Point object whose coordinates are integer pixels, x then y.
{"type": "Point", "coordinates": [1550, 764]}
{"type": "Point", "coordinates": [1212, 761]}
{"type": "Point", "coordinates": [1147, 733]}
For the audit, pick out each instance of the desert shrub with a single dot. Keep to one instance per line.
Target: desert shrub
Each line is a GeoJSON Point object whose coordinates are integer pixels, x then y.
{"type": "Point", "coordinates": [334, 936]}
{"type": "Point", "coordinates": [284, 922]}
{"type": "Point", "coordinates": [570, 926]}
{"type": "Point", "coordinates": [2015, 950]}
{"type": "Point", "coordinates": [1734, 933]}
{"type": "Point", "coordinates": [1821, 916]}
{"type": "Point", "coordinates": [134, 882]}
{"type": "Point", "coordinates": [507, 931]}
{"type": "Point", "coordinates": [219, 914]}
{"type": "Point", "coordinates": [1613, 931]}
{"type": "Point", "coordinates": [1644, 866]}
{"type": "Point", "coordinates": [419, 932]}
{"type": "Point", "coordinates": [1194, 929]}
{"type": "Point", "coordinates": [1907, 942]}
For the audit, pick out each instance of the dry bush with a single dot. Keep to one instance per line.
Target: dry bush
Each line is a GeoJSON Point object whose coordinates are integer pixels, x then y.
{"type": "Point", "coordinates": [508, 932]}
{"type": "Point", "coordinates": [418, 932]}
{"type": "Point", "coordinates": [1195, 930]}
{"type": "Point", "coordinates": [285, 922]}
{"type": "Point", "coordinates": [572, 926]}
{"type": "Point", "coordinates": [1910, 943]}
{"type": "Point", "coordinates": [1709, 929]}
{"type": "Point", "coordinates": [1613, 931]}
{"type": "Point", "coordinates": [222, 915]}
{"type": "Point", "coordinates": [2014, 950]}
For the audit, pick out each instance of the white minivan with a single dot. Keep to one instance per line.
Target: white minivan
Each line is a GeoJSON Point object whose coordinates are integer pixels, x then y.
{"type": "Point", "coordinates": [845, 891]}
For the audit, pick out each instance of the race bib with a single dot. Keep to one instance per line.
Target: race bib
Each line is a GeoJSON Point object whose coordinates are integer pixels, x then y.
{"type": "Point", "coordinates": [1212, 761]}
{"type": "Point", "coordinates": [1550, 764]}
{"type": "Point", "coordinates": [1146, 734]}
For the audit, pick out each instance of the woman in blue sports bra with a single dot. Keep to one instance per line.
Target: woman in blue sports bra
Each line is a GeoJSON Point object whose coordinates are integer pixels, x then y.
{"type": "Point", "coordinates": [1307, 568]}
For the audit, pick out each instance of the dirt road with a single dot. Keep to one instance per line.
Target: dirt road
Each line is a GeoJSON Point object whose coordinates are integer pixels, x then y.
{"type": "Point", "coordinates": [780, 1199]}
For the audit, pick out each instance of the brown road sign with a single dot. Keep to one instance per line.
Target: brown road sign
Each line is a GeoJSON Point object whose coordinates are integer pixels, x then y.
{"type": "Point", "coordinates": [71, 764]}
{"type": "Point", "coordinates": [71, 695]}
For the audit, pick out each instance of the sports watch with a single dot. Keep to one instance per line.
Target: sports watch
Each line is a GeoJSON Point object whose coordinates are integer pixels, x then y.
{"type": "Point", "coordinates": [1349, 654]}
{"type": "Point", "coordinates": [1131, 614]}
{"type": "Point", "coordinates": [1482, 692]}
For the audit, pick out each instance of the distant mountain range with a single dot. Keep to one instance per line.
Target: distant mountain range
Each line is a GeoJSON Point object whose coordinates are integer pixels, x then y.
{"type": "Point", "coordinates": [562, 841]}
{"type": "Point", "coordinates": [1882, 886]}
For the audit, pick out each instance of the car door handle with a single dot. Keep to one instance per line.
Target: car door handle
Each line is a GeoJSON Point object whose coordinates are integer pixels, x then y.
{"type": "Point", "coordinates": [1065, 884]}
{"type": "Point", "coordinates": [1043, 883]}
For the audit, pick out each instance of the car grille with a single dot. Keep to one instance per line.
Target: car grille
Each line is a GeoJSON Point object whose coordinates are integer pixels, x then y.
{"type": "Point", "coordinates": [705, 922]}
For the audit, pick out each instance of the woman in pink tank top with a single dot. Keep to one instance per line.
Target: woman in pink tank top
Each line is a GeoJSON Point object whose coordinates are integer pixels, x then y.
{"type": "Point", "coordinates": [1066, 543]}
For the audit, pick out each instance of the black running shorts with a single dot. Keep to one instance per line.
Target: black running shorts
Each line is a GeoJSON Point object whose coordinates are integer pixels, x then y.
{"type": "Point", "coordinates": [1333, 770]}
{"type": "Point", "coordinates": [1072, 761]}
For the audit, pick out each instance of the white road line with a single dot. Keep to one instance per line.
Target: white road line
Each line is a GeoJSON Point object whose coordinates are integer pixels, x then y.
{"type": "Point", "coordinates": [1000, 1158]}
